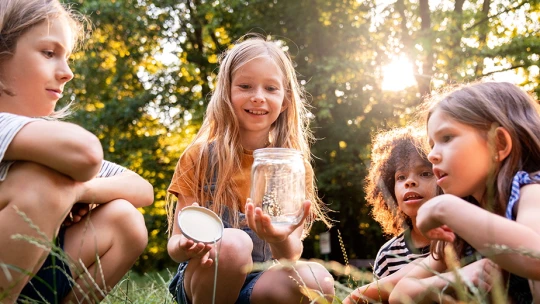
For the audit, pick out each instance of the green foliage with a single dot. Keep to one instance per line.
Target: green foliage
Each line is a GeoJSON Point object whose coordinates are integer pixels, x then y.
{"type": "Point", "coordinates": [144, 78]}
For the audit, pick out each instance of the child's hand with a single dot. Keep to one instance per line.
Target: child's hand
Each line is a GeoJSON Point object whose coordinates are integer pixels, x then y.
{"type": "Point", "coordinates": [428, 223]}
{"type": "Point", "coordinates": [195, 250]}
{"type": "Point", "coordinates": [481, 274]}
{"type": "Point", "coordinates": [261, 223]}
{"type": "Point", "coordinates": [442, 233]}
{"type": "Point", "coordinates": [77, 212]}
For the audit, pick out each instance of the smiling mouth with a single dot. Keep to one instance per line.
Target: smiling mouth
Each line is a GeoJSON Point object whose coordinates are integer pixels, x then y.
{"type": "Point", "coordinates": [257, 112]}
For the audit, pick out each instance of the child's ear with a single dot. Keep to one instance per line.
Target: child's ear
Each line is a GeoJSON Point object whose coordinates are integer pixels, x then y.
{"type": "Point", "coordinates": [503, 144]}
{"type": "Point", "coordinates": [285, 104]}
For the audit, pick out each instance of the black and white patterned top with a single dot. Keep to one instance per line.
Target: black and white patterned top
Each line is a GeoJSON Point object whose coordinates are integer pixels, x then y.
{"type": "Point", "coordinates": [396, 253]}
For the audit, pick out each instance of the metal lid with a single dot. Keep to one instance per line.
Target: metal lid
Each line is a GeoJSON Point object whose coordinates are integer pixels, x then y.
{"type": "Point", "coordinates": [200, 224]}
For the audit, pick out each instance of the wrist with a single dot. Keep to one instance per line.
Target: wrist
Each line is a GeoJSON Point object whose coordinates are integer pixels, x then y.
{"type": "Point", "coordinates": [440, 212]}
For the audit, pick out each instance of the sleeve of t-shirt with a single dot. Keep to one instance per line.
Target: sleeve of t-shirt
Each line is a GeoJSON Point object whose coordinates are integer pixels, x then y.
{"type": "Point", "coordinates": [110, 169]}
{"type": "Point", "coordinates": [183, 180]}
{"type": "Point", "coordinates": [379, 265]}
{"type": "Point", "coordinates": [10, 125]}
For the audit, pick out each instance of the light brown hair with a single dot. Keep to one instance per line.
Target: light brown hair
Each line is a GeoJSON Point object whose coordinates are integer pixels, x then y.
{"type": "Point", "coordinates": [19, 16]}
{"type": "Point", "coordinates": [485, 106]}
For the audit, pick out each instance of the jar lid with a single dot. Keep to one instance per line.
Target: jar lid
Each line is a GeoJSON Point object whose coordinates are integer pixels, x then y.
{"type": "Point", "coordinates": [200, 224]}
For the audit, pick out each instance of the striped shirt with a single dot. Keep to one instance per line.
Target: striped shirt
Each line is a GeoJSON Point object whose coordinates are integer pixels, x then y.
{"type": "Point", "coordinates": [395, 254]}
{"type": "Point", "coordinates": [11, 124]}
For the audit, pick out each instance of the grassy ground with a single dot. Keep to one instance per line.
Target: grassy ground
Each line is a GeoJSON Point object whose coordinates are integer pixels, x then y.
{"type": "Point", "coordinates": [142, 289]}
{"type": "Point", "coordinates": [152, 287]}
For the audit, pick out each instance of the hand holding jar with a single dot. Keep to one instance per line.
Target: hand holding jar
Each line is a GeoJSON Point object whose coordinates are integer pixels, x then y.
{"type": "Point", "coordinates": [278, 184]}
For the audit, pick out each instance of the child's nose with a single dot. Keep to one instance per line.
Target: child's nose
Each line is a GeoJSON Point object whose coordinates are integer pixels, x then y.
{"type": "Point", "coordinates": [258, 96]}
{"type": "Point", "coordinates": [434, 157]}
{"type": "Point", "coordinates": [411, 182]}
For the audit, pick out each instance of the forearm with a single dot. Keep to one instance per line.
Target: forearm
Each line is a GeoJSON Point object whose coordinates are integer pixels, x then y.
{"type": "Point", "coordinates": [127, 185]}
{"type": "Point", "coordinates": [482, 229]}
{"type": "Point", "coordinates": [378, 291]}
{"type": "Point", "coordinates": [427, 290]}
{"type": "Point", "coordinates": [64, 147]}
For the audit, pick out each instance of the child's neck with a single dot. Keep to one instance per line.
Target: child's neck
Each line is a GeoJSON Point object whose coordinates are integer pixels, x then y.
{"type": "Point", "coordinates": [254, 142]}
{"type": "Point", "coordinates": [418, 239]}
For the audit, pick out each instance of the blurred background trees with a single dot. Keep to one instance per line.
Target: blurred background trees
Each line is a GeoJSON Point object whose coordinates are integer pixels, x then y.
{"type": "Point", "coordinates": [146, 70]}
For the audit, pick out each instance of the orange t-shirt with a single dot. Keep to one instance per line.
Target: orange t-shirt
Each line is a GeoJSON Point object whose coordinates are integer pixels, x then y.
{"type": "Point", "coordinates": [183, 180]}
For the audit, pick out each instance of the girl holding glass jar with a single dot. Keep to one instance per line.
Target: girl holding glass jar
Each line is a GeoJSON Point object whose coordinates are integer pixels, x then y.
{"type": "Point", "coordinates": [256, 104]}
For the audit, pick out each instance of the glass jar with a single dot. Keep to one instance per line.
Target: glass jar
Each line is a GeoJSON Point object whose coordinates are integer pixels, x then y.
{"type": "Point", "coordinates": [278, 184]}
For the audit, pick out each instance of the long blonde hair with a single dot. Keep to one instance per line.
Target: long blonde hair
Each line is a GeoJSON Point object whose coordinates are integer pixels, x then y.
{"type": "Point", "coordinates": [221, 128]}
{"type": "Point", "coordinates": [19, 16]}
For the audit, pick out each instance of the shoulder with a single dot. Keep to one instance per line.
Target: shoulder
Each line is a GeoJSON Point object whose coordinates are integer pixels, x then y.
{"type": "Point", "coordinates": [191, 154]}
{"type": "Point", "coordinates": [397, 241]}
{"type": "Point", "coordinates": [529, 198]}
{"type": "Point", "coordinates": [12, 121]}
{"type": "Point", "coordinates": [110, 169]}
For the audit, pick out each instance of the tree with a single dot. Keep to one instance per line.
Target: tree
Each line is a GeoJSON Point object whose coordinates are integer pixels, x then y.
{"type": "Point", "coordinates": [145, 102]}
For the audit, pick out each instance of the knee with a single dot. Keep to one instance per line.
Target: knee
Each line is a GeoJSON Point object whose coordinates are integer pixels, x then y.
{"type": "Point", "coordinates": [128, 222]}
{"type": "Point", "coordinates": [236, 246]}
{"type": "Point", "coordinates": [36, 189]}
{"type": "Point", "coordinates": [316, 277]}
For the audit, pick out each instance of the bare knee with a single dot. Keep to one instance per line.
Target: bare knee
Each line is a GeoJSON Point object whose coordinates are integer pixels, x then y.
{"type": "Point", "coordinates": [128, 224]}
{"type": "Point", "coordinates": [236, 243]}
{"type": "Point", "coordinates": [37, 190]}
{"type": "Point", "coordinates": [316, 277]}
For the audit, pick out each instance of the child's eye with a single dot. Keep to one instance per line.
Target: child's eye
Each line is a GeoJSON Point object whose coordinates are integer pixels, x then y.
{"type": "Point", "coordinates": [400, 177]}
{"type": "Point", "coordinates": [48, 53]}
{"type": "Point", "coordinates": [272, 89]}
{"type": "Point", "coordinates": [427, 174]}
{"type": "Point", "coordinates": [244, 86]}
{"type": "Point", "coordinates": [446, 138]}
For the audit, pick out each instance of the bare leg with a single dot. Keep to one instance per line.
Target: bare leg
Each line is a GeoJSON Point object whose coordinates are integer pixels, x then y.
{"type": "Point", "coordinates": [234, 259]}
{"type": "Point", "coordinates": [276, 285]}
{"type": "Point", "coordinates": [45, 197]}
{"type": "Point", "coordinates": [115, 232]}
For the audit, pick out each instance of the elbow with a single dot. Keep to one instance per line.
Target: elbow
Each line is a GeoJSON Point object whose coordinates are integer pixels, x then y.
{"type": "Point", "coordinates": [90, 159]}
{"type": "Point", "coordinates": [148, 195]}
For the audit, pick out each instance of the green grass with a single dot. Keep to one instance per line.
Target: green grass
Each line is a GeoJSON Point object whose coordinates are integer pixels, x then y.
{"type": "Point", "coordinates": [153, 287]}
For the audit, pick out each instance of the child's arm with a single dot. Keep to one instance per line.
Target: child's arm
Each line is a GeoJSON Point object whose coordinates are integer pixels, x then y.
{"type": "Point", "coordinates": [421, 285]}
{"type": "Point", "coordinates": [379, 290]}
{"type": "Point", "coordinates": [285, 241]}
{"type": "Point", "coordinates": [64, 147]}
{"type": "Point", "coordinates": [179, 247]}
{"type": "Point", "coordinates": [127, 185]}
{"type": "Point", "coordinates": [483, 229]}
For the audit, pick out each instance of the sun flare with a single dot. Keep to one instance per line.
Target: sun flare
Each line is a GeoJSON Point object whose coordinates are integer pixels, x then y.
{"type": "Point", "coordinates": [398, 75]}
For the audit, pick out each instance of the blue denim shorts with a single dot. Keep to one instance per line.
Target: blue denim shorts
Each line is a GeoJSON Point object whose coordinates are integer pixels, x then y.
{"type": "Point", "coordinates": [176, 286]}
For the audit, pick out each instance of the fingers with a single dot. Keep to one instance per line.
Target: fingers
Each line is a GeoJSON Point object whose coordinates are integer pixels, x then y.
{"type": "Point", "coordinates": [441, 233]}
{"type": "Point", "coordinates": [263, 222]}
{"type": "Point", "coordinates": [482, 274]}
{"type": "Point", "coordinates": [307, 209]}
{"type": "Point", "coordinates": [250, 216]}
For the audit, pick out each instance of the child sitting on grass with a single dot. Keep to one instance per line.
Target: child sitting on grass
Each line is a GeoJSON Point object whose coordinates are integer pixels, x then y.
{"type": "Point", "coordinates": [399, 181]}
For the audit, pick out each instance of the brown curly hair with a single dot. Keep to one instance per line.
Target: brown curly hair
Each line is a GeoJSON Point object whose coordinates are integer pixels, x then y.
{"type": "Point", "coordinates": [390, 150]}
